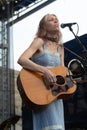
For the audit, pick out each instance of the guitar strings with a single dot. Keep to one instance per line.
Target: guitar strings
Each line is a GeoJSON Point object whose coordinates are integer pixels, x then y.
{"type": "Point", "coordinates": [70, 76]}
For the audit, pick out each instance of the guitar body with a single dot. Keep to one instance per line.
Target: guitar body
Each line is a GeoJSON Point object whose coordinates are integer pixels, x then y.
{"type": "Point", "coordinates": [34, 92]}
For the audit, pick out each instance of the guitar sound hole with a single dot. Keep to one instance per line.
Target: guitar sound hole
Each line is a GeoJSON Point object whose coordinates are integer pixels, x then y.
{"type": "Point", "coordinates": [60, 80]}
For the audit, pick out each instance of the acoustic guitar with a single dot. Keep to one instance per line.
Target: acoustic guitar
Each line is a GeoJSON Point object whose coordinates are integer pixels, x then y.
{"type": "Point", "coordinates": [37, 93]}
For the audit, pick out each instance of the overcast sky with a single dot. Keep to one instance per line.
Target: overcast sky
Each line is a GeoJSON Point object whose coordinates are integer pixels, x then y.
{"type": "Point", "coordinates": [67, 11]}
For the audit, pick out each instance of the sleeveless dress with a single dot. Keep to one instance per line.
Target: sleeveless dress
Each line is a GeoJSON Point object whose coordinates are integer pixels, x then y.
{"type": "Point", "coordinates": [52, 118]}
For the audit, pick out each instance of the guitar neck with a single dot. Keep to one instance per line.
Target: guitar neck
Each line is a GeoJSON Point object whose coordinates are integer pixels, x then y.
{"type": "Point", "coordinates": [78, 79]}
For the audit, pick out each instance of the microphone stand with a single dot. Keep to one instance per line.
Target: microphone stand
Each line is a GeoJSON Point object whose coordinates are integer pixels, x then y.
{"type": "Point", "coordinates": [84, 49]}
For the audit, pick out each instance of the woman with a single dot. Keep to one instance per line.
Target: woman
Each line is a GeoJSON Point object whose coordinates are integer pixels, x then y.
{"type": "Point", "coordinates": [45, 51]}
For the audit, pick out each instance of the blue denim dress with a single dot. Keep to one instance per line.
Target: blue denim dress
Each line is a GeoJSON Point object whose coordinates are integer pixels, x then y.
{"type": "Point", "coordinates": [52, 118]}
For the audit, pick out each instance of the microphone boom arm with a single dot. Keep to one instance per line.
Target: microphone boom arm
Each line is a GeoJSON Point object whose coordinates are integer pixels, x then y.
{"type": "Point", "coordinates": [84, 48]}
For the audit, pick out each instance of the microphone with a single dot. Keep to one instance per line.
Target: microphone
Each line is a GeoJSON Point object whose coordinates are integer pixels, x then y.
{"type": "Point", "coordinates": [63, 25]}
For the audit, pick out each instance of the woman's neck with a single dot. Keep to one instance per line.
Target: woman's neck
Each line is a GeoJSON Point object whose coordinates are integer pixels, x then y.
{"type": "Point", "coordinates": [52, 34]}
{"type": "Point", "coordinates": [52, 37]}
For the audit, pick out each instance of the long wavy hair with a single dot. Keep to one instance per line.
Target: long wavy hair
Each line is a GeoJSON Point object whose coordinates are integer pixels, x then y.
{"type": "Point", "coordinates": [42, 32]}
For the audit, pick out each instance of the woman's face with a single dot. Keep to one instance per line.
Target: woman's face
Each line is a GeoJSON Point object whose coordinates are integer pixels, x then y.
{"type": "Point", "coordinates": [52, 23]}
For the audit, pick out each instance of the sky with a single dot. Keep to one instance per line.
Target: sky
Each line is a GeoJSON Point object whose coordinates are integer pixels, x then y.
{"type": "Point", "coordinates": [67, 11]}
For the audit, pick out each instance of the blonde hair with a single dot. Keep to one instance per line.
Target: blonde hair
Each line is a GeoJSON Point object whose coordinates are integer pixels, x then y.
{"type": "Point", "coordinates": [42, 32]}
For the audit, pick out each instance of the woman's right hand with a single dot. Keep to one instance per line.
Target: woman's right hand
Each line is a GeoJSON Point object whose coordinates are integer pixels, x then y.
{"type": "Point", "coordinates": [49, 76]}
